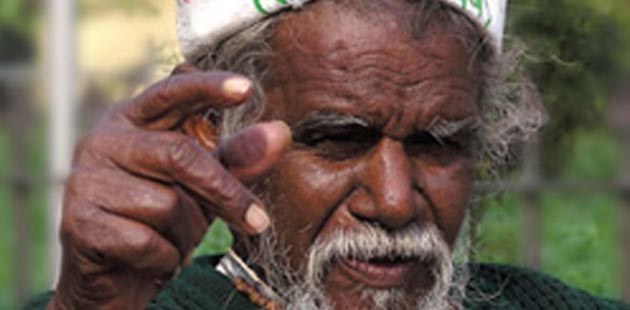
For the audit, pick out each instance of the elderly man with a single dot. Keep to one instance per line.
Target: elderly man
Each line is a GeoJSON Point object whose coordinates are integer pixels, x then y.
{"type": "Point", "coordinates": [340, 141]}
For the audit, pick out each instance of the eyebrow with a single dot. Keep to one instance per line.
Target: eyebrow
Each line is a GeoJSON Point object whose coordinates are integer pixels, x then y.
{"type": "Point", "coordinates": [319, 119]}
{"type": "Point", "coordinates": [439, 127]}
{"type": "Point", "coordinates": [442, 128]}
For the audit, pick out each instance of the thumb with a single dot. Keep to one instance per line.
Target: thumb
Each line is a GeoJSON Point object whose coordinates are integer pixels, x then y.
{"type": "Point", "coordinates": [253, 151]}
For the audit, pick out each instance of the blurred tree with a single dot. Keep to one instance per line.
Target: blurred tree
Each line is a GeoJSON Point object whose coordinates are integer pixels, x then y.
{"type": "Point", "coordinates": [16, 37]}
{"type": "Point", "coordinates": [16, 30]}
{"type": "Point", "coordinates": [577, 50]}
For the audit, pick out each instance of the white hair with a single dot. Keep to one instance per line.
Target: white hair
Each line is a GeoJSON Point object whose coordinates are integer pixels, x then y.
{"type": "Point", "coordinates": [304, 289]}
{"type": "Point", "coordinates": [510, 105]}
{"type": "Point", "coordinates": [510, 112]}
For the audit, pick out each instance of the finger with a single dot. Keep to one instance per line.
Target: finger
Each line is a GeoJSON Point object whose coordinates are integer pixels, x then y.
{"type": "Point", "coordinates": [168, 211]}
{"type": "Point", "coordinates": [179, 96]}
{"type": "Point", "coordinates": [252, 152]}
{"type": "Point", "coordinates": [175, 158]}
{"type": "Point", "coordinates": [108, 238]}
{"type": "Point", "coordinates": [185, 68]}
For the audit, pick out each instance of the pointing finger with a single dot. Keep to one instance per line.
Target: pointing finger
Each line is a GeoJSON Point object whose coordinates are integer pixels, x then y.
{"type": "Point", "coordinates": [175, 158]}
{"type": "Point", "coordinates": [177, 97]}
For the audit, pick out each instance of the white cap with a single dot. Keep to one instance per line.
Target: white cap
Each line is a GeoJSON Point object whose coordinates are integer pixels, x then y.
{"type": "Point", "coordinates": [203, 23]}
{"type": "Point", "coordinates": [488, 13]}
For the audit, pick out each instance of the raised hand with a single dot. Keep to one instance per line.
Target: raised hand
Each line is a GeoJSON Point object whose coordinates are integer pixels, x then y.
{"type": "Point", "coordinates": [142, 194]}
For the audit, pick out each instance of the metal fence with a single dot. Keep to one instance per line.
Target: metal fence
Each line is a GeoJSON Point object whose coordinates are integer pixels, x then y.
{"type": "Point", "coordinates": [13, 83]}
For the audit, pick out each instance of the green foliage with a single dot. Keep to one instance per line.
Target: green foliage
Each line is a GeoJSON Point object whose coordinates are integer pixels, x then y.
{"type": "Point", "coordinates": [581, 246]}
{"type": "Point", "coordinates": [16, 30]}
{"type": "Point", "coordinates": [580, 231]}
{"type": "Point", "coordinates": [218, 240]}
{"type": "Point", "coordinates": [5, 221]}
{"type": "Point", "coordinates": [38, 216]}
{"type": "Point", "coordinates": [595, 156]}
{"type": "Point", "coordinates": [577, 50]}
{"type": "Point", "coordinates": [12, 14]}
{"type": "Point", "coordinates": [500, 231]}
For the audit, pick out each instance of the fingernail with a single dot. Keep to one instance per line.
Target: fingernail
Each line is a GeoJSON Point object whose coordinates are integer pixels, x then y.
{"type": "Point", "coordinates": [285, 127]}
{"type": "Point", "coordinates": [257, 218]}
{"type": "Point", "coordinates": [236, 86]}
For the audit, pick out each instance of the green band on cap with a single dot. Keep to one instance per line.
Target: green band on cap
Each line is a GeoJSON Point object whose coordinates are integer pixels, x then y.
{"type": "Point", "coordinates": [488, 23]}
{"type": "Point", "coordinates": [282, 1]}
{"type": "Point", "coordinates": [478, 4]}
{"type": "Point", "coordinates": [260, 8]}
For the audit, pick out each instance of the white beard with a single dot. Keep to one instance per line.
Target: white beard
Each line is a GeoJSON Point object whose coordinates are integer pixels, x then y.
{"type": "Point", "coordinates": [307, 292]}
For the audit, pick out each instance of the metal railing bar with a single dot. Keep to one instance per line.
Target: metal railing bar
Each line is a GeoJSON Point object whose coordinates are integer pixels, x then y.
{"type": "Point", "coordinates": [17, 71]}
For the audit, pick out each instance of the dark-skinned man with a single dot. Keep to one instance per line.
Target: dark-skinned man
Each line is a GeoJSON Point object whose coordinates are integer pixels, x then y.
{"type": "Point", "coordinates": [339, 139]}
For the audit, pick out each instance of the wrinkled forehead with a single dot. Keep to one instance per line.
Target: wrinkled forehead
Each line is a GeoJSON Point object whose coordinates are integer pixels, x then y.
{"type": "Point", "coordinates": [332, 25]}
{"type": "Point", "coordinates": [327, 24]}
{"type": "Point", "coordinates": [380, 63]}
{"type": "Point", "coordinates": [402, 35]}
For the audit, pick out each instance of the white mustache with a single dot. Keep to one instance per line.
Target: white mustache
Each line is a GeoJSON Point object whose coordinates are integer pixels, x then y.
{"type": "Point", "coordinates": [415, 242]}
{"type": "Point", "coordinates": [423, 243]}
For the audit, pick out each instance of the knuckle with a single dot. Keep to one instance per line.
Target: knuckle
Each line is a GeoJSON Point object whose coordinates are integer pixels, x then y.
{"type": "Point", "coordinates": [82, 185]}
{"type": "Point", "coordinates": [94, 145]}
{"type": "Point", "coordinates": [163, 200]}
{"type": "Point", "coordinates": [85, 145]}
{"type": "Point", "coordinates": [78, 224]}
{"type": "Point", "coordinates": [230, 190]}
{"type": "Point", "coordinates": [164, 89]}
{"type": "Point", "coordinates": [143, 243]}
{"type": "Point", "coordinates": [96, 139]}
{"type": "Point", "coordinates": [226, 191]}
{"type": "Point", "coordinates": [88, 140]}
{"type": "Point", "coordinates": [161, 97]}
{"type": "Point", "coordinates": [169, 199]}
{"type": "Point", "coordinates": [230, 194]}
{"type": "Point", "coordinates": [73, 183]}
{"type": "Point", "coordinates": [163, 207]}
{"type": "Point", "coordinates": [73, 194]}
{"type": "Point", "coordinates": [184, 154]}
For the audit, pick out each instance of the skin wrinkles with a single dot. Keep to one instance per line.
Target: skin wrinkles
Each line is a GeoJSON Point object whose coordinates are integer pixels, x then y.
{"type": "Point", "coordinates": [353, 86]}
{"type": "Point", "coordinates": [320, 119]}
{"type": "Point", "coordinates": [365, 83]}
{"type": "Point", "coordinates": [315, 231]}
{"type": "Point", "coordinates": [379, 95]}
{"type": "Point", "coordinates": [328, 185]}
{"type": "Point", "coordinates": [453, 108]}
{"type": "Point", "coordinates": [366, 63]}
{"type": "Point", "coordinates": [403, 74]}
{"type": "Point", "coordinates": [371, 162]}
{"type": "Point", "coordinates": [334, 61]}
{"type": "Point", "coordinates": [343, 71]}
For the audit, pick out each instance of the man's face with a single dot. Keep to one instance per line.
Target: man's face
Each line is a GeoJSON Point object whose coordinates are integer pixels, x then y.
{"type": "Point", "coordinates": [380, 136]}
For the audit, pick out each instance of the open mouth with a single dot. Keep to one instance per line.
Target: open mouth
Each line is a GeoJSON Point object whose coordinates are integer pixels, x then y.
{"type": "Point", "coordinates": [380, 272]}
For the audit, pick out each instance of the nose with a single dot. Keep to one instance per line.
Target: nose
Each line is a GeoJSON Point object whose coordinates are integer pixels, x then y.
{"type": "Point", "coordinates": [387, 179]}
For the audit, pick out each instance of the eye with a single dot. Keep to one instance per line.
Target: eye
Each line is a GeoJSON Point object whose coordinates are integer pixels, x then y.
{"type": "Point", "coordinates": [340, 143]}
{"type": "Point", "coordinates": [425, 143]}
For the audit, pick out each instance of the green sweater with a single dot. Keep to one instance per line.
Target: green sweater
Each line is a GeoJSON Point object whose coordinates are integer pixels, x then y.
{"type": "Point", "coordinates": [200, 286]}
